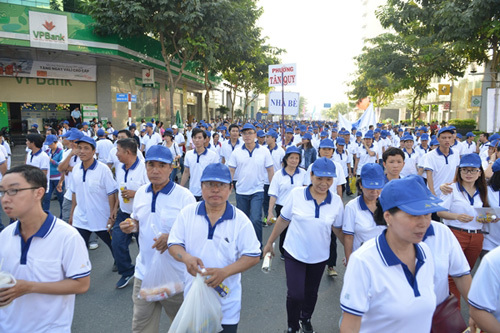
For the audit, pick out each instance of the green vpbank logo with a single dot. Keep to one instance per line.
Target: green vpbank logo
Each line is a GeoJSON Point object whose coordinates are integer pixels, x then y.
{"type": "Point", "coordinates": [48, 30]}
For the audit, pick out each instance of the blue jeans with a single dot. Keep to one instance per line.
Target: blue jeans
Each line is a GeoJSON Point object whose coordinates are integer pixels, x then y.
{"type": "Point", "coordinates": [173, 174]}
{"type": "Point", "coordinates": [48, 196]}
{"type": "Point", "coordinates": [120, 242]}
{"type": "Point", "coordinates": [251, 205]}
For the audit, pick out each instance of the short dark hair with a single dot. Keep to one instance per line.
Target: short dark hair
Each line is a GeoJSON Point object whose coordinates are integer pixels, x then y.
{"type": "Point", "coordinates": [197, 131]}
{"type": "Point", "coordinates": [33, 175]}
{"type": "Point", "coordinates": [486, 135]}
{"type": "Point", "coordinates": [392, 151]}
{"type": "Point", "coordinates": [285, 159]}
{"type": "Point", "coordinates": [233, 126]}
{"type": "Point", "coordinates": [128, 144]}
{"type": "Point", "coordinates": [126, 131]}
{"type": "Point", "coordinates": [378, 215]}
{"type": "Point", "coordinates": [37, 139]}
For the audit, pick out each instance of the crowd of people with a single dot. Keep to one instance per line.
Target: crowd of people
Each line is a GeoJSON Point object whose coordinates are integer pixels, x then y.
{"type": "Point", "coordinates": [414, 208]}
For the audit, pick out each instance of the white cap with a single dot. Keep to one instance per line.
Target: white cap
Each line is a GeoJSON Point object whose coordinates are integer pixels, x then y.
{"type": "Point", "coordinates": [174, 126]}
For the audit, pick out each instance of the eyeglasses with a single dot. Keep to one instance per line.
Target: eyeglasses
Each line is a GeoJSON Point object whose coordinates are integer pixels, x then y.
{"type": "Point", "coordinates": [212, 185]}
{"type": "Point", "coordinates": [247, 133]}
{"type": "Point", "coordinates": [13, 191]}
{"type": "Point", "coordinates": [469, 171]}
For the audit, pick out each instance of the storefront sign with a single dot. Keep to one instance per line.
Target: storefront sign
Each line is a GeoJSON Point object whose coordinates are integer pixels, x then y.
{"type": "Point", "coordinates": [89, 111]}
{"type": "Point", "coordinates": [45, 69]}
{"type": "Point", "coordinates": [48, 30]}
{"type": "Point", "coordinates": [148, 77]}
{"type": "Point", "coordinates": [291, 103]}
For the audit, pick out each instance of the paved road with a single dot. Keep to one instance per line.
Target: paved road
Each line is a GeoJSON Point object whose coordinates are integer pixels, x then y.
{"type": "Point", "coordinates": [106, 309]}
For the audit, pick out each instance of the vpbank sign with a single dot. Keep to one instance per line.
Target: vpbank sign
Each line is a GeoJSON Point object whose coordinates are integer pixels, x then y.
{"type": "Point", "coordinates": [48, 30]}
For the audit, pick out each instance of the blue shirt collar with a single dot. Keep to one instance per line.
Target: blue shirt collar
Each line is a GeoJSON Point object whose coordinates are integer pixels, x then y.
{"type": "Point", "coordinates": [429, 232]}
{"type": "Point", "coordinates": [44, 230]}
{"type": "Point", "coordinates": [388, 256]}
{"type": "Point", "coordinates": [362, 204]}
{"type": "Point", "coordinates": [228, 213]}
{"type": "Point", "coordinates": [283, 171]}
{"type": "Point", "coordinates": [204, 152]}
{"type": "Point", "coordinates": [245, 147]}
{"type": "Point", "coordinates": [133, 166]}
{"type": "Point", "coordinates": [37, 153]}
{"type": "Point", "coordinates": [439, 152]}
{"type": "Point", "coordinates": [91, 167]}
{"type": "Point", "coordinates": [275, 148]}
{"type": "Point", "coordinates": [328, 199]}
{"type": "Point", "coordinates": [165, 190]}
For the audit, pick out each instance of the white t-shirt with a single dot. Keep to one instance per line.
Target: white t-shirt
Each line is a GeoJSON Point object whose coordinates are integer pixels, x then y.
{"type": "Point", "coordinates": [377, 289]}
{"type": "Point", "coordinates": [309, 232]}
{"type": "Point", "coordinates": [449, 258]}
{"type": "Point", "coordinates": [196, 164]}
{"type": "Point", "coordinates": [157, 213]}
{"type": "Point", "coordinates": [217, 246]}
{"type": "Point", "coordinates": [484, 293]}
{"type": "Point", "coordinates": [56, 252]}
{"type": "Point", "coordinates": [92, 188]}
{"type": "Point", "coordinates": [358, 221]}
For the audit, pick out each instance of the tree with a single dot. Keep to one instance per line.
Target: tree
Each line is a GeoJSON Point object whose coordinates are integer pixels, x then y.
{"type": "Point", "coordinates": [176, 24]}
{"type": "Point", "coordinates": [333, 112]}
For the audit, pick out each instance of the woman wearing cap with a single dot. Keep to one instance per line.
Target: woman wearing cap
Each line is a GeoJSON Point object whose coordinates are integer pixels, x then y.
{"type": "Point", "coordinates": [492, 239]}
{"type": "Point", "coordinates": [469, 191]}
{"type": "Point", "coordinates": [309, 214]}
{"type": "Point", "coordinates": [284, 180]}
{"type": "Point", "coordinates": [359, 225]}
{"type": "Point", "coordinates": [308, 152]}
{"type": "Point", "coordinates": [344, 158]}
{"type": "Point", "coordinates": [394, 271]}
{"type": "Point", "coordinates": [168, 141]}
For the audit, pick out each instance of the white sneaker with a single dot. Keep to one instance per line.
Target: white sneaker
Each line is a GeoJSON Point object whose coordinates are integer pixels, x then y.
{"type": "Point", "coordinates": [93, 246]}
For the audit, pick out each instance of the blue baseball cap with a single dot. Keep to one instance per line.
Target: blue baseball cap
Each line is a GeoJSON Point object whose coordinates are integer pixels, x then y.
{"type": "Point", "coordinates": [359, 134]}
{"type": "Point", "coordinates": [289, 130]}
{"type": "Point", "coordinates": [378, 130]}
{"type": "Point", "coordinates": [261, 134]}
{"type": "Point", "coordinates": [323, 134]}
{"type": "Point", "coordinates": [75, 135]}
{"type": "Point", "coordinates": [115, 132]}
{"type": "Point", "coordinates": [416, 201]}
{"type": "Point", "coordinates": [326, 143]}
{"type": "Point", "coordinates": [85, 123]}
{"type": "Point", "coordinates": [459, 135]}
{"type": "Point", "coordinates": [368, 135]}
{"type": "Point", "coordinates": [292, 150]}
{"type": "Point", "coordinates": [496, 166]}
{"type": "Point", "coordinates": [341, 141]}
{"type": "Point", "coordinates": [169, 132]}
{"type": "Point", "coordinates": [307, 136]}
{"type": "Point", "coordinates": [302, 128]}
{"type": "Point", "coordinates": [407, 138]}
{"type": "Point", "coordinates": [149, 125]}
{"type": "Point", "coordinates": [445, 129]}
{"type": "Point", "coordinates": [209, 134]}
{"type": "Point", "coordinates": [65, 122]}
{"type": "Point", "coordinates": [424, 137]}
{"type": "Point", "coordinates": [132, 126]}
{"type": "Point", "coordinates": [372, 176]}
{"type": "Point", "coordinates": [400, 130]}
{"type": "Point", "coordinates": [494, 137]}
{"type": "Point", "coordinates": [248, 126]}
{"type": "Point", "coordinates": [434, 142]}
{"type": "Point", "coordinates": [272, 133]}
{"type": "Point", "coordinates": [66, 135]}
{"type": "Point", "coordinates": [34, 125]}
{"type": "Point", "coordinates": [159, 153]}
{"type": "Point", "coordinates": [216, 172]}
{"type": "Point", "coordinates": [470, 161]}
{"type": "Point", "coordinates": [86, 139]}
{"type": "Point", "coordinates": [101, 132]}
{"type": "Point", "coordinates": [323, 167]}
{"type": "Point", "coordinates": [50, 139]}
{"type": "Point", "coordinates": [469, 134]}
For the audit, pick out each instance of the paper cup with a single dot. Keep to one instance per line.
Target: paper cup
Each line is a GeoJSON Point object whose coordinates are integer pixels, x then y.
{"type": "Point", "coordinates": [7, 280]}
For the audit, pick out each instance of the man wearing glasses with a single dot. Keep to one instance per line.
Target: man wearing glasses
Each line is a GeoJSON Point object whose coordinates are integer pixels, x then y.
{"type": "Point", "coordinates": [45, 255]}
{"type": "Point", "coordinates": [250, 164]}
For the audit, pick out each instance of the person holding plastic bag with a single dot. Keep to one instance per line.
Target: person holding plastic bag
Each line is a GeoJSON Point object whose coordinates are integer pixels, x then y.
{"type": "Point", "coordinates": [226, 248]}
{"type": "Point", "coordinates": [156, 205]}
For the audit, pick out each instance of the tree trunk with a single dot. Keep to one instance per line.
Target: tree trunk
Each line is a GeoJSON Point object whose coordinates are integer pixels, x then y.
{"type": "Point", "coordinates": [208, 87]}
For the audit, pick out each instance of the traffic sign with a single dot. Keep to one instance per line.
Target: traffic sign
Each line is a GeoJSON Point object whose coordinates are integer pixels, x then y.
{"type": "Point", "coordinates": [475, 101]}
{"type": "Point", "coordinates": [124, 98]}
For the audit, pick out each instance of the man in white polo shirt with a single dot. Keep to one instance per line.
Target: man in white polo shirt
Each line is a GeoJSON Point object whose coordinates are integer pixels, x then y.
{"type": "Point", "coordinates": [150, 139]}
{"type": "Point", "coordinates": [251, 165]}
{"type": "Point", "coordinates": [156, 205]}
{"type": "Point", "coordinates": [93, 194]}
{"type": "Point", "coordinates": [195, 162]}
{"type": "Point", "coordinates": [46, 256]}
{"type": "Point", "coordinates": [441, 164]}
{"type": "Point", "coordinates": [229, 145]}
{"type": "Point", "coordinates": [227, 248]}
{"type": "Point", "coordinates": [130, 175]}
{"type": "Point", "coordinates": [37, 157]}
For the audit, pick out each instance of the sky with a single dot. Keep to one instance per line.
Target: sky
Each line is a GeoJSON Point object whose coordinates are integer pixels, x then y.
{"type": "Point", "coordinates": [321, 37]}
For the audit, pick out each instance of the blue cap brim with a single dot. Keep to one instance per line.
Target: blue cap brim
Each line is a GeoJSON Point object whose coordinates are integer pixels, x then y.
{"type": "Point", "coordinates": [422, 207]}
{"type": "Point", "coordinates": [325, 174]}
{"type": "Point", "coordinates": [159, 159]}
{"type": "Point", "coordinates": [372, 184]}
{"type": "Point", "coordinates": [216, 179]}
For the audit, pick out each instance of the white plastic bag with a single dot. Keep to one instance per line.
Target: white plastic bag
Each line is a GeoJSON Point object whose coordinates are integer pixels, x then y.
{"type": "Point", "coordinates": [200, 312]}
{"type": "Point", "coordinates": [161, 281]}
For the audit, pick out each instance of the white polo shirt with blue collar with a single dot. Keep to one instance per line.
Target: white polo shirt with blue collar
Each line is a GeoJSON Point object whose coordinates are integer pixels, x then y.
{"type": "Point", "coordinates": [364, 157]}
{"type": "Point", "coordinates": [150, 140]}
{"type": "Point", "coordinates": [378, 286]}
{"type": "Point", "coordinates": [227, 149]}
{"type": "Point", "coordinates": [468, 148]}
{"type": "Point", "coordinates": [68, 178]}
{"type": "Point", "coordinates": [196, 164]}
{"type": "Point", "coordinates": [410, 166]}
{"type": "Point", "coordinates": [343, 159]}
{"type": "Point", "coordinates": [277, 154]}
{"type": "Point", "coordinates": [156, 213]}
{"type": "Point", "coordinates": [492, 238]}
{"type": "Point", "coordinates": [250, 168]}
{"type": "Point", "coordinates": [459, 201]}
{"type": "Point", "coordinates": [358, 222]}
{"type": "Point", "coordinates": [484, 293]}
{"type": "Point", "coordinates": [92, 188]}
{"type": "Point", "coordinates": [54, 253]}
{"type": "Point", "coordinates": [449, 258]}
{"type": "Point", "coordinates": [309, 232]}
{"type": "Point", "coordinates": [443, 167]}
{"type": "Point", "coordinates": [132, 178]}
{"type": "Point", "coordinates": [283, 183]}
{"type": "Point", "coordinates": [42, 161]}
{"type": "Point", "coordinates": [220, 245]}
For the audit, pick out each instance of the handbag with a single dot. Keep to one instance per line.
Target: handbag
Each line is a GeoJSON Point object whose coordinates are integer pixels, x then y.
{"type": "Point", "coordinates": [447, 317]}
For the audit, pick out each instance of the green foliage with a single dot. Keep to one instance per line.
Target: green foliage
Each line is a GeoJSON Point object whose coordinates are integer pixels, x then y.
{"type": "Point", "coordinates": [223, 109]}
{"type": "Point", "coordinates": [389, 120]}
{"type": "Point", "coordinates": [333, 112]}
{"type": "Point", "coordinates": [463, 122]}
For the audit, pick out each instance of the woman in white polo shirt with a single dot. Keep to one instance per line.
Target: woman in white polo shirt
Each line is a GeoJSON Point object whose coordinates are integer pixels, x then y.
{"type": "Point", "coordinates": [469, 191]}
{"type": "Point", "coordinates": [359, 225]}
{"type": "Point", "coordinates": [309, 214]}
{"type": "Point", "coordinates": [492, 239]}
{"type": "Point", "coordinates": [395, 270]}
{"type": "Point", "coordinates": [284, 180]}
